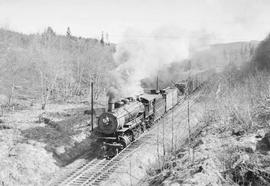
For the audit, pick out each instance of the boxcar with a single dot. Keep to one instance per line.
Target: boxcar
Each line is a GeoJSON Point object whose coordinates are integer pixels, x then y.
{"type": "Point", "coordinates": [159, 106]}
{"type": "Point", "coordinates": [170, 97]}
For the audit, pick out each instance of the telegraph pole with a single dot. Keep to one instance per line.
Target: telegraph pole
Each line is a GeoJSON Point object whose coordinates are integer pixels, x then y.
{"type": "Point", "coordinates": [188, 122]}
{"type": "Point", "coordinates": [92, 106]}
{"type": "Point", "coordinates": [189, 89]}
{"type": "Point", "coordinates": [172, 129]}
{"type": "Point", "coordinates": [157, 87]}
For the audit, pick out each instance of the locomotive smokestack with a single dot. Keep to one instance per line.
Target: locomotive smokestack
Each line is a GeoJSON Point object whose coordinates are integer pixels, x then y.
{"type": "Point", "coordinates": [111, 94]}
{"type": "Point", "coordinates": [110, 104]}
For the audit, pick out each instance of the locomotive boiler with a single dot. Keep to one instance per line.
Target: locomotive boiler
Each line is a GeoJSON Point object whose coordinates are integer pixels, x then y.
{"type": "Point", "coordinates": [117, 119]}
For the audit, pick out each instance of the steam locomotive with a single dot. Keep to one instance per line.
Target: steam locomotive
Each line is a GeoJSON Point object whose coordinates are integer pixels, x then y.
{"type": "Point", "coordinates": [127, 118]}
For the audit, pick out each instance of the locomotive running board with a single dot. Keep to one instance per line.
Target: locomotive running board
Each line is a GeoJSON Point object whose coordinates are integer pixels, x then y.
{"type": "Point", "coordinates": [131, 124]}
{"type": "Point", "coordinates": [113, 144]}
{"type": "Point", "coordinates": [107, 138]}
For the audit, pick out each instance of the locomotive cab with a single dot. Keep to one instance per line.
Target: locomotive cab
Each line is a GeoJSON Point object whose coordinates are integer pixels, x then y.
{"type": "Point", "coordinates": [154, 106]}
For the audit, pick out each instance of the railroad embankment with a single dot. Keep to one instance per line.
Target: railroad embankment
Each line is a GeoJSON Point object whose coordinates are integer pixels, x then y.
{"type": "Point", "coordinates": [216, 157]}
{"type": "Point", "coordinates": [233, 148]}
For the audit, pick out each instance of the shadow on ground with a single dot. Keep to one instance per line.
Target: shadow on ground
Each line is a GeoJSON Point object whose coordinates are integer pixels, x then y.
{"type": "Point", "coordinates": [68, 139]}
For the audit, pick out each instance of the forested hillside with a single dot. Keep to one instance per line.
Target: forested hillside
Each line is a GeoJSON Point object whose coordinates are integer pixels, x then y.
{"type": "Point", "coordinates": [262, 56]}
{"type": "Point", "coordinates": [220, 55]}
{"type": "Point", "coordinates": [49, 66]}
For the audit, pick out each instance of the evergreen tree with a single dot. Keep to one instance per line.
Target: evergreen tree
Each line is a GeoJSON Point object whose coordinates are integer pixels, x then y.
{"type": "Point", "coordinates": [50, 31]}
{"type": "Point", "coordinates": [102, 38]}
{"type": "Point", "coordinates": [68, 34]}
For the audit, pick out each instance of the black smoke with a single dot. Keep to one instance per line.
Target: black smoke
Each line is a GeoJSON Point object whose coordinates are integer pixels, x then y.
{"type": "Point", "coordinates": [261, 58]}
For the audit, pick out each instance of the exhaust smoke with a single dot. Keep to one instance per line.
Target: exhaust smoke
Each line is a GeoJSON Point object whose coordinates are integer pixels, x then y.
{"type": "Point", "coordinates": [140, 57]}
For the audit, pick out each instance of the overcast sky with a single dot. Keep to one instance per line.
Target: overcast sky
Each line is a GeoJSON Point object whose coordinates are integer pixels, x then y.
{"type": "Point", "coordinates": [227, 20]}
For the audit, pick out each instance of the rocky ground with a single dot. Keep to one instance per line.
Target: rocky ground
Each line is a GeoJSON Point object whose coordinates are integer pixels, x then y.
{"type": "Point", "coordinates": [35, 144]}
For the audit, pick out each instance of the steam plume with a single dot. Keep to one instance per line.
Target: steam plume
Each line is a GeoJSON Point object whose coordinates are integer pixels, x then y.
{"type": "Point", "coordinates": [142, 57]}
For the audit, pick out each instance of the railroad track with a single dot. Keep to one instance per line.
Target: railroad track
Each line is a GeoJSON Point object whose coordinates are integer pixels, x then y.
{"type": "Point", "coordinates": [98, 170]}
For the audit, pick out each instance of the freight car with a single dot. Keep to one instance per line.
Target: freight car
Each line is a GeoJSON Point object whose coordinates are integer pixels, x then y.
{"type": "Point", "coordinates": [194, 81]}
{"type": "Point", "coordinates": [127, 118]}
{"type": "Point", "coordinates": [170, 95]}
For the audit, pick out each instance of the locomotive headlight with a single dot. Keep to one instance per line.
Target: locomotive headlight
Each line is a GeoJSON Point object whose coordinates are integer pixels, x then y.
{"type": "Point", "coordinates": [106, 120]}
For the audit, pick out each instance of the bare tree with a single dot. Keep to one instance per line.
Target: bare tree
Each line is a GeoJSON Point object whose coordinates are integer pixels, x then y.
{"type": "Point", "coordinates": [49, 66]}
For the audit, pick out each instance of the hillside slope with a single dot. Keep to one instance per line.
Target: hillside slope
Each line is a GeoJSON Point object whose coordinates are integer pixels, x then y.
{"type": "Point", "coordinates": [220, 55]}
{"type": "Point", "coordinates": [44, 66]}
{"type": "Point", "coordinates": [233, 148]}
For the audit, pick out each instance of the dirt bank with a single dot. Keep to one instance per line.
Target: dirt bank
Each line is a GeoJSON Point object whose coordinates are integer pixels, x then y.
{"type": "Point", "coordinates": [221, 154]}
{"type": "Point", "coordinates": [35, 143]}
